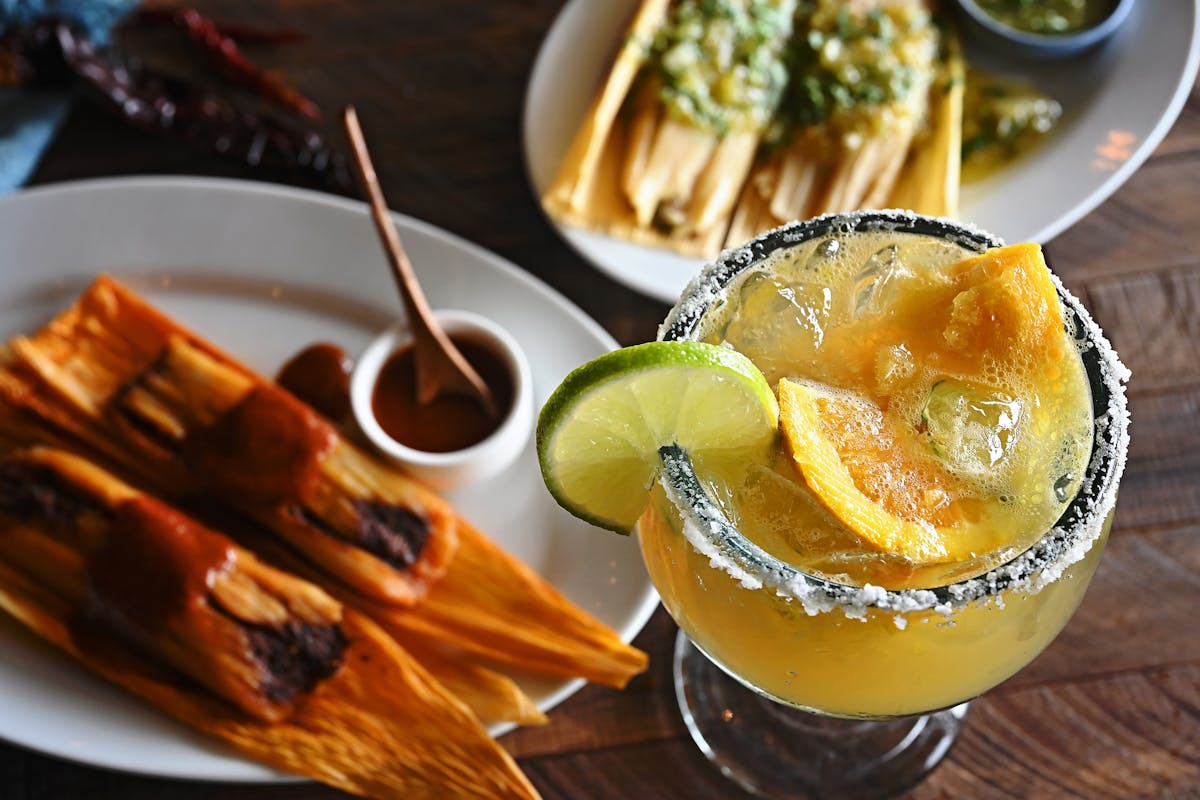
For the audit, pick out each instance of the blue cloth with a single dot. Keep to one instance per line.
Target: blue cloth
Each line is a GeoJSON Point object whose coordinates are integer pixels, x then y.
{"type": "Point", "coordinates": [29, 118]}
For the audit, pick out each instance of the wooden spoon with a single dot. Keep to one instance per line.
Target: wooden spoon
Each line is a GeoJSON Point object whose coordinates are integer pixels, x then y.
{"type": "Point", "coordinates": [441, 368]}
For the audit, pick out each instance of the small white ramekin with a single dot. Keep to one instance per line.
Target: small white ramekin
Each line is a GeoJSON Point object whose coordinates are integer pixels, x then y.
{"type": "Point", "coordinates": [480, 461]}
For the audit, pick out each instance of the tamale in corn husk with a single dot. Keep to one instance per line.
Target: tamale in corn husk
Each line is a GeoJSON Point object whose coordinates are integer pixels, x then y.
{"type": "Point", "coordinates": [184, 419]}
{"type": "Point", "coordinates": [489, 610]}
{"type": "Point", "coordinates": [264, 661]}
{"type": "Point", "coordinates": [929, 182]}
{"type": "Point", "coordinates": [491, 695]}
{"type": "Point", "coordinates": [665, 147]}
{"type": "Point", "coordinates": [858, 89]}
{"type": "Point", "coordinates": [493, 608]}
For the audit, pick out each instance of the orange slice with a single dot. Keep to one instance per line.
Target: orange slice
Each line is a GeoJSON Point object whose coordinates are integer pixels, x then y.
{"type": "Point", "coordinates": [833, 435]}
{"type": "Point", "coordinates": [1006, 308]}
{"type": "Point", "coordinates": [997, 314]}
{"type": "Point", "coordinates": [992, 315]}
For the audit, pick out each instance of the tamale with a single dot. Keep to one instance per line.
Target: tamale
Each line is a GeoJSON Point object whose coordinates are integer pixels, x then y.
{"type": "Point", "coordinates": [262, 660]}
{"type": "Point", "coordinates": [665, 147]}
{"type": "Point", "coordinates": [858, 89]}
{"type": "Point", "coordinates": [929, 182]}
{"type": "Point", "coordinates": [488, 609]}
{"type": "Point", "coordinates": [494, 608]}
{"type": "Point", "coordinates": [492, 696]}
{"type": "Point", "coordinates": [130, 565]}
{"type": "Point", "coordinates": [573, 184]}
{"type": "Point", "coordinates": [491, 606]}
{"type": "Point", "coordinates": [183, 418]}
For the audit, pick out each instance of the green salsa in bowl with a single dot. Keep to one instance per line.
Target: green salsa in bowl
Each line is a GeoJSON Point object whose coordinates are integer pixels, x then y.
{"type": "Point", "coordinates": [1042, 29]}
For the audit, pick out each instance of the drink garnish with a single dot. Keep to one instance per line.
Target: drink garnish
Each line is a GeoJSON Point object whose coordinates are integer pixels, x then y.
{"type": "Point", "coordinates": [811, 419]}
{"type": "Point", "coordinates": [909, 486]}
{"type": "Point", "coordinates": [598, 435]}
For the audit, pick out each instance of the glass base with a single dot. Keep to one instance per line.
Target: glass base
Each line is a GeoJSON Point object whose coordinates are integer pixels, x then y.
{"type": "Point", "coordinates": [776, 751]}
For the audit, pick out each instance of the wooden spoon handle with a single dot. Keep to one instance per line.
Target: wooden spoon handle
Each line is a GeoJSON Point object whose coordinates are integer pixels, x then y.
{"type": "Point", "coordinates": [406, 280]}
{"type": "Point", "coordinates": [450, 371]}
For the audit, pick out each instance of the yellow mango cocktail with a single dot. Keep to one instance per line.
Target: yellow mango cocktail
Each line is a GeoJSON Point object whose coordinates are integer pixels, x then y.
{"type": "Point", "coordinates": [953, 430]}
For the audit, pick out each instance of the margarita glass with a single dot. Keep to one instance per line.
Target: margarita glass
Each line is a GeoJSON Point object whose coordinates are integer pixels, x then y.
{"type": "Point", "coordinates": [896, 664]}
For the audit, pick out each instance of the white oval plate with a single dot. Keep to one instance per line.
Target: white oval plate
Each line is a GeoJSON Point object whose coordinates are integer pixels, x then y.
{"type": "Point", "coordinates": [262, 271]}
{"type": "Point", "coordinates": [1119, 103]}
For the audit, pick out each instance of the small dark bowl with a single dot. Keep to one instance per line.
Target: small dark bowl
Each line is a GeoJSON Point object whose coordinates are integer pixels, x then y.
{"type": "Point", "coordinates": [1007, 40]}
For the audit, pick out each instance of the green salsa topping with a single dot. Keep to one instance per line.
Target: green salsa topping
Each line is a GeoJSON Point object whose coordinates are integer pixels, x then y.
{"type": "Point", "coordinates": [1001, 120]}
{"type": "Point", "coordinates": [1047, 16]}
{"type": "Point", "coordinates": [848, 66]}
{"type": "Point", "coordinates": [720, 62]}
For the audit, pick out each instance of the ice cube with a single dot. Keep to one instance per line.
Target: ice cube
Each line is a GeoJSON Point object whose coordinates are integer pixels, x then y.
{"type": "Point", "coordinates": [779, 324]}
{"type": "Point", "coordinates": [876, 283]}
{"type": "Point", "coordinates": [823, 256]}
{"type": "Point", "coordinates": [972, 428]}
{"type": "Point", "coordinates": [894, 366]}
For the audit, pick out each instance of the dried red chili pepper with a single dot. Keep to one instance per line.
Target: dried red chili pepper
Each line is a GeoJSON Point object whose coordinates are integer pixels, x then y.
{"type": "Point", "coordinates": [242, 34]}
{"type": "Point", "coordinates": [51, 52]}
{"type": "Point", "coordinates": [222, 50]}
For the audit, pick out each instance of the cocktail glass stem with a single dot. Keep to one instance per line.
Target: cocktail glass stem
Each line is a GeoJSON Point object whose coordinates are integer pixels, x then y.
{"type": "Point", "coordinates": [777, 751]}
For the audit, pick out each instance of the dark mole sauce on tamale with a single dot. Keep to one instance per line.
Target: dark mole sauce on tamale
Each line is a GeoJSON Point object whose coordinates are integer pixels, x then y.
{"type": "Point", "coordinates": [449, 422]}
{"type": "Point", "coordinates": [155, 571]}
{"type": "Point", "coordinates": [152, 573]}
{"type": "Point", "coordinates": [154, 568]}
{"type": "Point", "coordinates": [268, 447]}
{"type": "Point", "coordinates": [152, 565]}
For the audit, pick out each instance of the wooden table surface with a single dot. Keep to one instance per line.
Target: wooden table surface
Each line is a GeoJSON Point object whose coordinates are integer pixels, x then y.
{"type": "Point", "coordinates": [1110, 710]}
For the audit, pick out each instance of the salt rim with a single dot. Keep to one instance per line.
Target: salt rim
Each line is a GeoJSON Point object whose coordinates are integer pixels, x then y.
{"type": "Point", "coordinates": [711, 533]}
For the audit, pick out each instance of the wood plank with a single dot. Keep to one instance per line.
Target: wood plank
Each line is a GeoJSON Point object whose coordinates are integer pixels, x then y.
{"type": "Point", "coordinates": [28, 776]}
{"type": "Point", "coordinates": [1153, 321]}
{"type": "Point", "coordinates": [1161, 479]}
{"type": "Point", "coordinates": [1129, 736]}
{"type": "Point", "coordinates": [1148, 225]}
{"type": "Point", "coordinates": [1133, 616]}
{"type": "Point", "coordinates": [665, 770]}
{"type": "Point", "coordinates": [1185, 134]}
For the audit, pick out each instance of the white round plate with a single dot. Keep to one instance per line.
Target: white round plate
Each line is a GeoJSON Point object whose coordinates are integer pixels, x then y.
{"type": "Point", "coordinates": [1119, 102]}
{"type": "Point", "coordinates": [262, 271]}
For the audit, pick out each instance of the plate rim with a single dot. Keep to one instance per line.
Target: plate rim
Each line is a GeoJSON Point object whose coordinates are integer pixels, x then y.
{"type": "Point", "coordinates": [1166, 121]}
{"type": "Point", "coordinates": [643, 609]}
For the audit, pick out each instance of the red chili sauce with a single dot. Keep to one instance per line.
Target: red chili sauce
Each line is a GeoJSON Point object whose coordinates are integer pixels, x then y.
{"type": "Point", "coordinates": [156, 565]}
{"type": "Point", "coordinates": [265, 450]}
{"type": "Point", "coordinates": [320, 376]}
{"type": "Point", "coordinates": [449, 422]}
